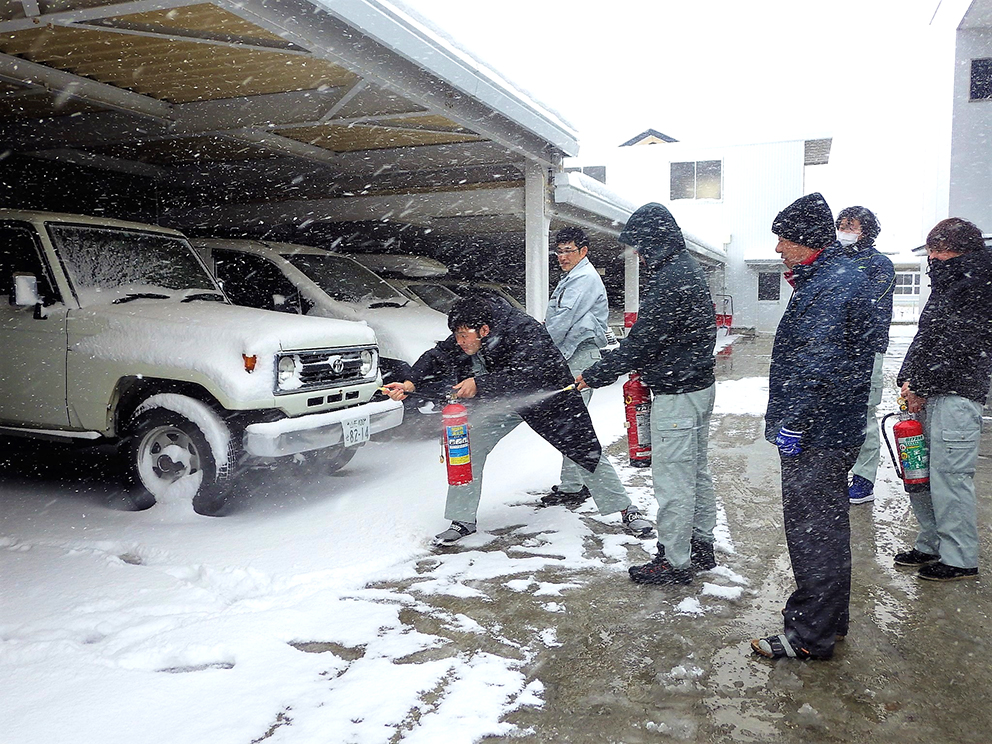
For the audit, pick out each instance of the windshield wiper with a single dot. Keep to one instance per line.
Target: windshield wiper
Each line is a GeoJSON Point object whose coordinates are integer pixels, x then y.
{"type": "Point", "coordinates": [389, 303]}
{"type": "Point", "coordinates": [210, 296]}
{"type": "Point", "coordinates": [139, 296]}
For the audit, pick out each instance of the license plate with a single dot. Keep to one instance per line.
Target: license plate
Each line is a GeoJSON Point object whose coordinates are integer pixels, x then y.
{"type": "Point", "coordinates": [355, 431]}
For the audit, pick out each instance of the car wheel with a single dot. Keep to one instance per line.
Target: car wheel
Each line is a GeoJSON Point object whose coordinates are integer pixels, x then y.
{"type": "Point", "coordinates": [168, 456]}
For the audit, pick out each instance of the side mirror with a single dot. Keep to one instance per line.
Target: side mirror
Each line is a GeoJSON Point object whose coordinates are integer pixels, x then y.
{"type": "Point", "coordinates": [26, 290]}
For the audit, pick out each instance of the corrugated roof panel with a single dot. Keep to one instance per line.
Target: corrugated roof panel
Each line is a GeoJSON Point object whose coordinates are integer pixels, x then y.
{"type": "Point", "coordinates": [185, 150]}
{"type": "Point", "coordinates": [205, 17]}
{"type": "Point", "coordinates": [175, 71]}
{"type": "Point", "coordinates": [365, 137]}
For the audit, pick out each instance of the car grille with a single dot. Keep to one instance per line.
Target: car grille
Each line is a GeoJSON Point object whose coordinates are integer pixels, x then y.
{"type": "Point", "coordinates": [325, 368]}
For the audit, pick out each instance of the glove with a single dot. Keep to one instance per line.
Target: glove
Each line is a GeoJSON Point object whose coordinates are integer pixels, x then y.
{"type": "Point", "coordinates": [787, 442]}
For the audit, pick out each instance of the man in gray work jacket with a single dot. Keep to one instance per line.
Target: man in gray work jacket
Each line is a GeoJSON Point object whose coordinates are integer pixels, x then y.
{"type": "Point", "coordinates": [576, 322]}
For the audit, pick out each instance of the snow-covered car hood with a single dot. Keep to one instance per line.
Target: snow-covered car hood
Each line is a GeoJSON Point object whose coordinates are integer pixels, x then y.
{"type": "Point", "coordinates": [255, 331]}
{"type": "Point", "coordinates": [406, 332]}
{"type": "Point", "coordinates": [205, 337]}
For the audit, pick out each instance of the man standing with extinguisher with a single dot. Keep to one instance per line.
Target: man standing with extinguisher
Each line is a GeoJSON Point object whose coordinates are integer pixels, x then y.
{"type": "Point", "coordinates": [818, 386]}
{"type": "Point", "coordinates": [671, 346]}
{"type": "Point", "coordinates": [505, 360]}
{"type": "Point", "coordinates": [946, 376]}
{"type": "Point", "coordinates": [576, 319]}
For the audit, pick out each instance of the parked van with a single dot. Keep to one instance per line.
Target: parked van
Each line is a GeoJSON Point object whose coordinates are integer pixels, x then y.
{"type": "Point", "coordinates": [115, 332]}
{"type": "Point", "coordinates": [311, 281]}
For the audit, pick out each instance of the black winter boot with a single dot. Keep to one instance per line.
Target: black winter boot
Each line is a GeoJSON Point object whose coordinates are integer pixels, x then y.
{"type": "Point", "coordinates": [702, 555]}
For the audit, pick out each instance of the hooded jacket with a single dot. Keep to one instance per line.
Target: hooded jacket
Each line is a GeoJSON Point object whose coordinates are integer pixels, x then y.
{"type": "Point", "coordinates": [671, 343]}
{"type": "Point", "coordinates": [521, 362]}
{"type": "Point", "coordinates": [822, 358]}
{"type": "Point", "coordinates": [952, 351]}
{"type": "Point", "coordinates": [881, 277]}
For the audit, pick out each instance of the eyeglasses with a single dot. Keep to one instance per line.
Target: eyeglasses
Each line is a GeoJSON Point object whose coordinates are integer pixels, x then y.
{"type": "Point", "coordinates": [566, 251]}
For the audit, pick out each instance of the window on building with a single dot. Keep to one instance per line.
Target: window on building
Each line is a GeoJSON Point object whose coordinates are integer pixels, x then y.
{"type": "Point", "coordinates": [702, 179]}
{"type": "Point", "coordinates": [981, 79]}
{"type": "Point", "coordinates": [769, 286]}
{"type": "Point", "coordinates": [907, 283]}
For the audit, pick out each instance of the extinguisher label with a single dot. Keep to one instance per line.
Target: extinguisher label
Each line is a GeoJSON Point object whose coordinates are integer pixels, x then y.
{"type": "Point", "coordinates": [915, 461]}
{"type": "Point", "coordinates": [458, 452]}
{"type": "Point", "coordinates": [643, 419]}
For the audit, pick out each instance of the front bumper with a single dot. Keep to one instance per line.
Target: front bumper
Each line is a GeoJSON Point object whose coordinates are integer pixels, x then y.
{"type": "Point", "coordinates": [291, 436]}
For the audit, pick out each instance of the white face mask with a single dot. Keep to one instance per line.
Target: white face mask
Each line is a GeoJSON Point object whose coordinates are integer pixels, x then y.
{"type": "Point", "coordinates": [847, 238]}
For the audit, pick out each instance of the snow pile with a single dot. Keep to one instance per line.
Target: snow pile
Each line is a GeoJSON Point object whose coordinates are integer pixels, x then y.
{"type": "Point", "coordinates": [315, 612]}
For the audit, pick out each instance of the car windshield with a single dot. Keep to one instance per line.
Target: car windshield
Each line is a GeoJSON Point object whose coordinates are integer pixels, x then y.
{"type": "Point", "coordinates": [112, 265]}
{"type": "Point", "coordinates": [436, 296]}
{"type": "Point", "coordinates": [346, 281]}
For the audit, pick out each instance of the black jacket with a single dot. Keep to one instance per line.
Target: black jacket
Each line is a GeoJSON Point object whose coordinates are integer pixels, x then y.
{"type": "Point", "coordinates": [952, 351]}
{"type": "Point", "coordinates": [522, 365]}
{"type": "Point", "coordinates": [820, 373]}
{"type": "Point", "coordinates": [671, 343]}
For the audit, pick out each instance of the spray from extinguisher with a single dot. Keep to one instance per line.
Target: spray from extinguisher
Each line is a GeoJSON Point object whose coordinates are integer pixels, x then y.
{"type": "Point", "coordinates": [637, 409]}
{"type": "Point", "coordinates": [456, 453]}
{"type": "Point", "coordinates": [913, 464]}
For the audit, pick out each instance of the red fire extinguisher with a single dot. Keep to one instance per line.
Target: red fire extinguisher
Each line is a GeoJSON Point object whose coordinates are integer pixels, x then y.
{"type": "Point", "coordinates": [456, 453]}
{"type": "Point", "coordinates": [913, 464]}
{"type": "Point", "coordinates": [637, 407]}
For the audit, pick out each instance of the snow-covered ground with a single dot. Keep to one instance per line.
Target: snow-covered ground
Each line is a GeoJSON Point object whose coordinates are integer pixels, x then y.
{"type": "Point", "coordinates": [281, 621]}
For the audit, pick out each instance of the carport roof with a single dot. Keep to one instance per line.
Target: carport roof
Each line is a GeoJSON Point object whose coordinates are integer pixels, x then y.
{"type": "Point", "coordinates": [247, 102]}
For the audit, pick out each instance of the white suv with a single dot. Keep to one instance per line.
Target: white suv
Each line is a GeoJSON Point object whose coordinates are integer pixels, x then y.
{"type": "Point", "coordinates": [115, 331]}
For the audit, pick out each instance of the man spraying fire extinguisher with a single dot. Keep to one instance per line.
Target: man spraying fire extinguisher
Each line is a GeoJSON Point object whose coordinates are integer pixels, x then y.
{"type": "Point", "coordinates": [506, 366]}
{"type": "Point", "coordinates": [671, 346]}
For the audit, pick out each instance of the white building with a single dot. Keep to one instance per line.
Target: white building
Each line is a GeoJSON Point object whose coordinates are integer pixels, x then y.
{"type": "Point", "coordinates": [728, 196]}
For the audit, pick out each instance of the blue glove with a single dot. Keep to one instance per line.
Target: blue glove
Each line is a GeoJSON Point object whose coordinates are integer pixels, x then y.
{"type": "Point", "coordinates": [787, 442]}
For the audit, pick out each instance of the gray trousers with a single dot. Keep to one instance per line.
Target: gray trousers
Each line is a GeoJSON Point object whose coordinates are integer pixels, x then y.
{"type": "Point", "coordinates": [584, 357]}
{"type": "Point", "coordinates": [947, 513]}
{"type": "Point", "coordinates": [867, 464]}
{"type": "Point", "coordinates": [680, 426]}
{"type": "Point", "coordinates": [485, 432]}
{"type": "Point", "coordinates": [815, 510]}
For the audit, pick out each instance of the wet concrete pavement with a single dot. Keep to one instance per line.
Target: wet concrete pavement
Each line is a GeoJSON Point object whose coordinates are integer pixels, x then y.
{"type": "Point", "coordinates": [625, 663]}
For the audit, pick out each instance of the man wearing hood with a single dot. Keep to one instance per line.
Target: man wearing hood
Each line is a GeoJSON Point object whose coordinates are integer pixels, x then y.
{"type": "Point", "coordinates": [506, 366]}
{"type": "Point", "coordinates": [818, 385]}
{"type": "Point", "coordinates": [671, 346]}
{"type": "Point", "coordinates": [946, 376]}
{"type": "Point", "coordinates": [857, 229]}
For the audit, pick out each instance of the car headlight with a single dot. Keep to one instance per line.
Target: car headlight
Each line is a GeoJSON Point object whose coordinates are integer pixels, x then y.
{"type": "Point", "coordinates": [287, 371]}
{"type": "Point", "coordinates": [368, 363]}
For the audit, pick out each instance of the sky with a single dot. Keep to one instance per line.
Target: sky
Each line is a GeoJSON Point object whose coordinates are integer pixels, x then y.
{"type": "Point", "coordinates": [868, 73]}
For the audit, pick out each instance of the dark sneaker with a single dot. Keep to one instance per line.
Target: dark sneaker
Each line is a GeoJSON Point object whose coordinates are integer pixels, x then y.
{"type": "Point", "coordinates": [659, 571]}
{"type": "Point", "coordinates": [779, 647]}
{"type": "Point", "coordinates": [565, 498]}
{"type": "Point", "coordinates": [635, 523]}
{"type": "Point", "coordinates": [915, 558]}
{"type": "Point", "coordinates": [861, 490]}
{"type": "Point", "coordinates": [702, 555]}
{"type": "Point", "coordinates": [942, 572]}
{"type": "Point", "coordinates": [454, 533]}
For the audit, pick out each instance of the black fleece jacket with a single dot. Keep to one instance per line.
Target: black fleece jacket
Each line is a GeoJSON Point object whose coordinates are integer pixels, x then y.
{"type": "Point", "coordinates": [671, 343]}
{"type": "Point", "coordinates": [952, 351]}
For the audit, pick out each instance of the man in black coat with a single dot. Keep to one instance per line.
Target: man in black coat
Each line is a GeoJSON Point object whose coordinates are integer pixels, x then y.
{"type": "Point", "coordinates": [505, 359]}
{"type": "Point", "coordinates": [946, 376]}
{"type": "Point", "coordinates": [671, 346]}
{"type": "Point", "coordinates": [818, 386]}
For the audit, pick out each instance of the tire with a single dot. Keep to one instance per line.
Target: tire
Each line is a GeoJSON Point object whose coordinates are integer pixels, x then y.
{"type": "Point", "coordinates": [168, 454]}
{"type": "Point", "coordinates": [337, 457]}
